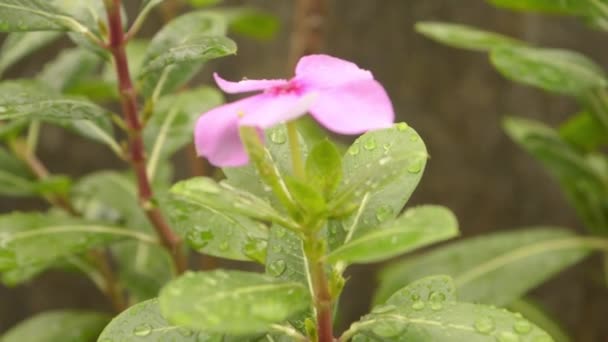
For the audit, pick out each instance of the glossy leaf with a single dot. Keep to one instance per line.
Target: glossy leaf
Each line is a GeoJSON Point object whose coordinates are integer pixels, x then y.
{"type": "Point", "coordinates": [381, 170]}
{"type": "Point", "coordinates": [417, 227]}
{"type": "Point", "coordinates": [434, 288]}
{"type": "Point", "coordinates": [445, 321]}
{"type": "Point", "coordinates": [582, 177]}
{"type": "Point", "coordinates": [30, 239]}
{"type": "Point", "coordinates": [559, 71]}
{"type": "Point", "coordinates": [144, 321]}
{"type": "Point", "coordinates": [324, 167]}
{"type": "Point", "coordinates": [58, 326]}
{"type": "Point", "coordinates": [493, 269]}
{"type": "Point", "coordinates": [188, 27]}
{"type": "Point", "coordinates": [218, 233]}
{"type": "Point", "coordinates": [21, 44]}
{"type": "Point", "coordinates": [465, 37]}
{"type": "Point", "coordinates": [231, 302]}
{"type": "Point", "coordinates": [31, 15]}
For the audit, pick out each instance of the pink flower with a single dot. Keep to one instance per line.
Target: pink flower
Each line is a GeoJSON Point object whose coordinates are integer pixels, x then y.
{"type": "Point", "coordinates": [339, 95]}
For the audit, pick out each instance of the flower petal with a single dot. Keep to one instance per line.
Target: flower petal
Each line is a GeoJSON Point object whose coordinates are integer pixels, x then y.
{"type": "Point", "coordinates": [245, 85]}
{"type": "Point", "coordinates": [323, 71]}
{"type": "Point", "coordinates": [275, 109]}
{"type": "Point", "coordinates": [354, 108]}
{"type": "Point", "coordinates": [216, 135]}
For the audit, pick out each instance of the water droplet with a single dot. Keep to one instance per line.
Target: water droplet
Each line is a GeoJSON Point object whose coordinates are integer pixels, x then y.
{"type": "Point", "coordinates": [370, 144]}
{"type": "Point", "coordinates": [402, 126]}
{"type": "Point", "coordinates": [384, 213]}
{"type": "Point", "coordinates": [507, 336]}
{"type": "Point", "coordinates": [255, 249]}
{"type": "Point", "coordinates": [277, 136]}
{"type": "Point", "coordinates": [436, 306]}
{"type": "Point", "coordinates": [418, 305]}
{"type": "Point", "coordinates": [198, 239]}
{"type": "Point", "coordinates": [277, 267]}
{"type": "Point", "coordinates": [353, 150]}
{"type": "Point", "coordinates": [522, 327]}
{"type": "Point", "coordinates": [437, 297]}
{"type": "Point", "coordinates": [142, 330]}
{"type": "Point", "coordinates": [414, 137]}
{"type": "Point", "coordinates": [387, 329]}
{"type": "Point", "coordinates": [415, 297]}
{"type": "Point", "coordinates": [484, 325]}
{"type": "Point", "coordinates": [415, 167]}
{"type": "Point", "coordinates": [281, 232]}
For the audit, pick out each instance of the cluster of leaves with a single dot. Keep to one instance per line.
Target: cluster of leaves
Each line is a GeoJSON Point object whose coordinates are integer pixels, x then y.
{"type": "Point", "coordinates": [500, 268]}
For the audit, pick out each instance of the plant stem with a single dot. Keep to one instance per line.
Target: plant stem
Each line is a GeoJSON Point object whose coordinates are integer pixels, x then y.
{"type": "Point", "coordinates": [322, 296]}
{"type": "Point", "coordinates": [296, 151]}
{"type": "Point", "coordinates": [128, 98]}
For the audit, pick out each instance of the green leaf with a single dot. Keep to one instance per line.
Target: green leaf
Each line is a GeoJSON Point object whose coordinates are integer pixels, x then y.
{"type": "Point", "coordinates": [70, 67]}
{"type": "Point", "coordinates": [171, 126]}
{"type": "Point", "coordinates": [205, 192]}
{"type": "Point", "coordinates": [309, 201]}
{"type": "Point", "coordinates": [574, 7]}
{"type": "Point", "coordinates": [28, 100]}
{"type": "Point", "coordinates": [465, 37]}
{"type": "Point", "coordinates": [445, 321]}
{"type": "Point", "coordinates": [584, 131]}
{"type": "Point", "coordinates": [233, 302]}
{"type": "Point", "coordinates": [193, 49]}
{"type": "Point", "coordinates": [429, 289]}
{"type": "Point", "coordinates": [181, 32]}
{"type": "Point", "coordinates": [58, 326]}
{"type": "Point", "coordinates": [582, 177]}
{"type": "Point", "coordinates": [381, 170]}
{"type": "Point", "coordinates": [216, 232]}
{"type": "Point", "coordinates": [31, 15]}
{"type": "Point", "coordinates": [559, 71]}
{"type": "Point", "coordinates": [30, 239]}
{"type": "Point", "coordinates": [417, 227]}
{"type": "Point", "coordinates": [144, 321]}
{"type": "Point", "coordinates": [324, 167]}
{"type": "Point", "coordinates": [537, 315]}
{"type": "Point", "coordinates": [21, 44]}
{"type": "Point", "coordinates": [492, 269]}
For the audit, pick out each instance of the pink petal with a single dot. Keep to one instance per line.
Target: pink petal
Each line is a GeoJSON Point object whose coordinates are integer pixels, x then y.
{"type": "Point", "coordinates": [273, 109]}
{"type": "Point", "coordinates": [216, 135]}
{"type": "Point", "coordinates": [354, 108]}
{"type": "Point", "coordinates": [323, 71]}
{"type": "Point", "coordinates": [246, 85]}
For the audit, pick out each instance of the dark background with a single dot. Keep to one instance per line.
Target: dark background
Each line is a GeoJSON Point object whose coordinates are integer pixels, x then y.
{"type": "Point", "coordinates": [453, 98]}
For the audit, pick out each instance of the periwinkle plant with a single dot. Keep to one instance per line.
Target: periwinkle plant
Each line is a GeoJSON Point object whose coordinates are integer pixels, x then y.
{"type": "Point", "coordinates": [295, 203]}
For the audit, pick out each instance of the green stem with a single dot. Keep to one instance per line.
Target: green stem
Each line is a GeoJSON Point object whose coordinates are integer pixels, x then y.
{"type": "Point", "coordinates": [296, 151]}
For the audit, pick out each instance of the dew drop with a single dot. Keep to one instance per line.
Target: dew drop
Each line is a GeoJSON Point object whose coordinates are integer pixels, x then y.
{"type": "Point", "coordinates": [414, 137]}
{"type": "Point", "coordinates": [277, 267]}
{"type": "Point", "coordinates": [198, 239]}
{"type": "Point", "coordinates": [402, 126]}
{"type": "Point", "coordinates": [370, 144]}
{"type": "Point", "coordinates": [142, 330]}
{"type": "Point", "coordinates": [418, 305]}
{"type": "Point", "coordinates": [484, 325]}
{"type": "Point", "coordinates": [278, 136]}
{"type": "Point", "coordinates": [384, 213]}
{"type": "Point", "coordinates": [415, 167]}
{"type": "Point", "coordinates": [353, 150]}
{"type": "Point", "coordinates": [224, 245]}
{"type": "Point", "coordinates": [437, 297]}
{"type": "Point", "coordinates": [255, 249]}
{"type": "Point", "coordinates": [522, 327]}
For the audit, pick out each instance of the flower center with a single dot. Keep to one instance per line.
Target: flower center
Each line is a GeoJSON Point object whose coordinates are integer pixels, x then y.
{"type": "Point", "coordinates": [292, 87]}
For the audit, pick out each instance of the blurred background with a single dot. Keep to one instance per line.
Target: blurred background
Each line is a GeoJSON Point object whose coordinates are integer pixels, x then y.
{"type": "Point", "coordinates": [453, 98]}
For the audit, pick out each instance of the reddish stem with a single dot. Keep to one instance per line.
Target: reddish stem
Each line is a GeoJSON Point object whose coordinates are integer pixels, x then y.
{"type": "Point", "coordinates": [323, 302]}
{"type": "Point", "coordinates": [137, 158]}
